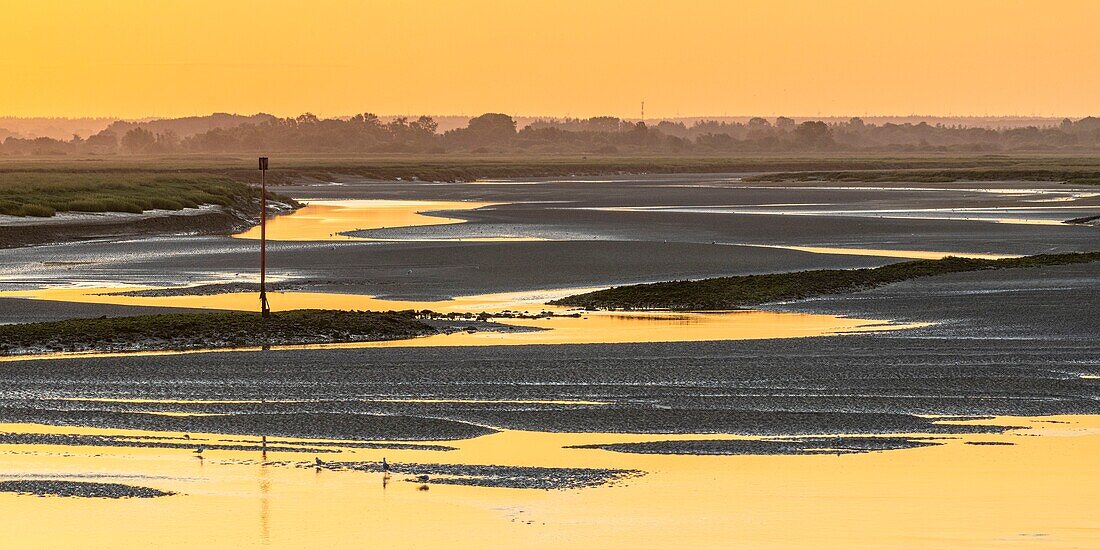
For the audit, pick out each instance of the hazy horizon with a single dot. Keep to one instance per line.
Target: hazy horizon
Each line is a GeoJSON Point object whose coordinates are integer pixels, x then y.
{"type": "Point", "coordinates": [635, 116]}
{"type": "Point", "coordinates": [64, 128]}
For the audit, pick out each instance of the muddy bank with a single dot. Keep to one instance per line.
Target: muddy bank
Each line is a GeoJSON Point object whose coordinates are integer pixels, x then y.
{"type": "Point", "coordinates": [68, 227]}
{"type": "Point", "coordinates": [213, 289]}
{"type": "Point", "coordinates": [76, 440]}
{"type": "Point", "coordinates": [218, 221]}
{"type": "Point", "coordinates": [190, 443]}
{"type": "Point", "coordinates": [749, 290]}
{"type": "Point", "coordinates": [1051, 306]}
{"type": "Point", "coordinates": [801, 446]}
{"type": "Point", "coordinates": [1086, 220]}
{"type": "Point", "coordinates": [86, 489]}
{"type": "Point", "coordinates": [513, 477]}
{"type": "Point", "coordinates": [314, 425]}
{"type": "Point", "coordinates": [26, 310]}
{"type": "Point", "coordinates": [719, 420]}
{"type": "Point", "coordinates": [209, 330]}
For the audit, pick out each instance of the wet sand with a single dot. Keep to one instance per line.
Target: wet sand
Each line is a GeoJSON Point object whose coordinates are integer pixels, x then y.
{"type": "Point", "coordinates": [20, 310]}
{"type": "Point", "coordinates": [1015, 345]}
{"type": "Point", "coordinates": [584, 247]}
{"type": "Point", "coordinates": [72, 226]}
{"type": "Point", "coordinates": [84, 489]}
{"type": "Point", "coordinates": [835, 394]}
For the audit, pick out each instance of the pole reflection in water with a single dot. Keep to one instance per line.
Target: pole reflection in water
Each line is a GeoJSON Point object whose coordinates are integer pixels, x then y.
{"type": "Point", "coordinates": [265, 504]}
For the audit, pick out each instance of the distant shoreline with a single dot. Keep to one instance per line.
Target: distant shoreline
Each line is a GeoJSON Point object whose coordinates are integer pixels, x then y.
{"type": "Point", "coordinates": [93, 173]}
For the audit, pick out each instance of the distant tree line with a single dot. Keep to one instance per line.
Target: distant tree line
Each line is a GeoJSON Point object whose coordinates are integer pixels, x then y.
{"type": "Point", "coordinates": [497, 133]}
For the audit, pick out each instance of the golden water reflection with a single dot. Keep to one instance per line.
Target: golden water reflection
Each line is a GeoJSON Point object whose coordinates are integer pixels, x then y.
{"type": "Point", "coordinates": [1040, 491]}
{"type": "Point", "coordinates": [888, 253]}
{"type": "Point", "coordinates": [568, 327]}
{"type": "Point", "coordinates": [330, 220]}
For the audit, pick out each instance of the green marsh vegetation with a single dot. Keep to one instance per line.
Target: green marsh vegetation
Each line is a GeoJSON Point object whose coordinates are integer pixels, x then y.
{"type": "Point", "coordinates": [1080, 176]}
{"type": "Point", "coordinates": [43, 194]}
{"type": "Point", "coordinates": [214, 329]}
{"type": "Point", "coordinates": [31, 186]}
{"type": "Point", "coordinates": [726, 293]}
{"type": "Point", "coordinates": [840, 167]}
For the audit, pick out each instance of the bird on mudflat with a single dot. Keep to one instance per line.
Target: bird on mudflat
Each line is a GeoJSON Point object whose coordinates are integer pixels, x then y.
{"type": "Point", "coordinates": [317, 462]}
{"type": "Point", "coordinates": [200, 449]}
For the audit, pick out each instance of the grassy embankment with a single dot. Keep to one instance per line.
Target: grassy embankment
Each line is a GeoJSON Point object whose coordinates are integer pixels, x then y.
{"type": "Point", "coordinates": [451, 168]}
{"type": "Point", "coordinates": [217, 329]}
{"type": "Point", "coordinates": [1077, 175]}
{"type": "Point", "coordinates": [37, 186]}
{"type": "Point", "coordinates": [836, 166]}
{"type": "Point", "coordinates": [725, 293]}
{"type": "Point", "coordinates": [45, 193]}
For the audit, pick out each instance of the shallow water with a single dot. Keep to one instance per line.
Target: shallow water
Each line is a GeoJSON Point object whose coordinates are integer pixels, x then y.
{"type": "Point", "coordinates": [334, 220]}
{"type": "Point", "coordinates": [1039, 492]}
{"type": "Point", "coordinates": [1048, 215]}
{"type": "Point", "coordinates": [943, 496]}
{"type": "Point", "coordinates": [886, 253]}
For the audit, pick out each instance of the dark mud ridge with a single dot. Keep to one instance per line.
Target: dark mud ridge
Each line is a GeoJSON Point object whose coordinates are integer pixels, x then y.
{"type": "Point", "coordinates": [87, 489]}
{"type": "Point", "coordinates": [213, 289]}
{"type": "Point", "coordinates": [724, 293]}
{"type": "Point", "coordinates": [795, 446]}
{"type": "Point", "coordinates": [154, 443]}
{"type": "Point", "coordinates": [313, 425]}
{"type": "Point", "coordinates": [676, 420]}
{"type": "Point", "coordinates": [299, 285]}
{"type": "Point", "coordinates": [511, 477]}
{"type": "Point", "coordinates": [1086, 220]}
{"type": "Point", "coordinates": [180, 442]}
{"type": "Point", "coordinates": [206, 330]}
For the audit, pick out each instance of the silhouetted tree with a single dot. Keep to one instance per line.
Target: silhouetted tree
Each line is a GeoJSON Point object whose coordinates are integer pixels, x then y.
{"type": "Point", "coordinates": [139, 140]}
{"type": "Point", "coordinates": [487, 129]}
{"type": "Point", "coordinates": [758, 122]}
{"type": "Point", "coordinates": [813, 134]}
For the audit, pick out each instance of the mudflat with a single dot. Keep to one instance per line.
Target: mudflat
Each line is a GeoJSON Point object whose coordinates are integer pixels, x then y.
{"type": "Point", "coordinates": [964, 370]}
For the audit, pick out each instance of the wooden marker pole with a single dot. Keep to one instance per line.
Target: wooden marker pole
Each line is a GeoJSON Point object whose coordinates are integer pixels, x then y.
{"type": "Point", "coordinates": [265, 309]}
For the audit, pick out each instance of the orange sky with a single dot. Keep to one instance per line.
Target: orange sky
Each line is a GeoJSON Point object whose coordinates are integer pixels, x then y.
{"type": "Point", "coordinates": [134, 58]}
